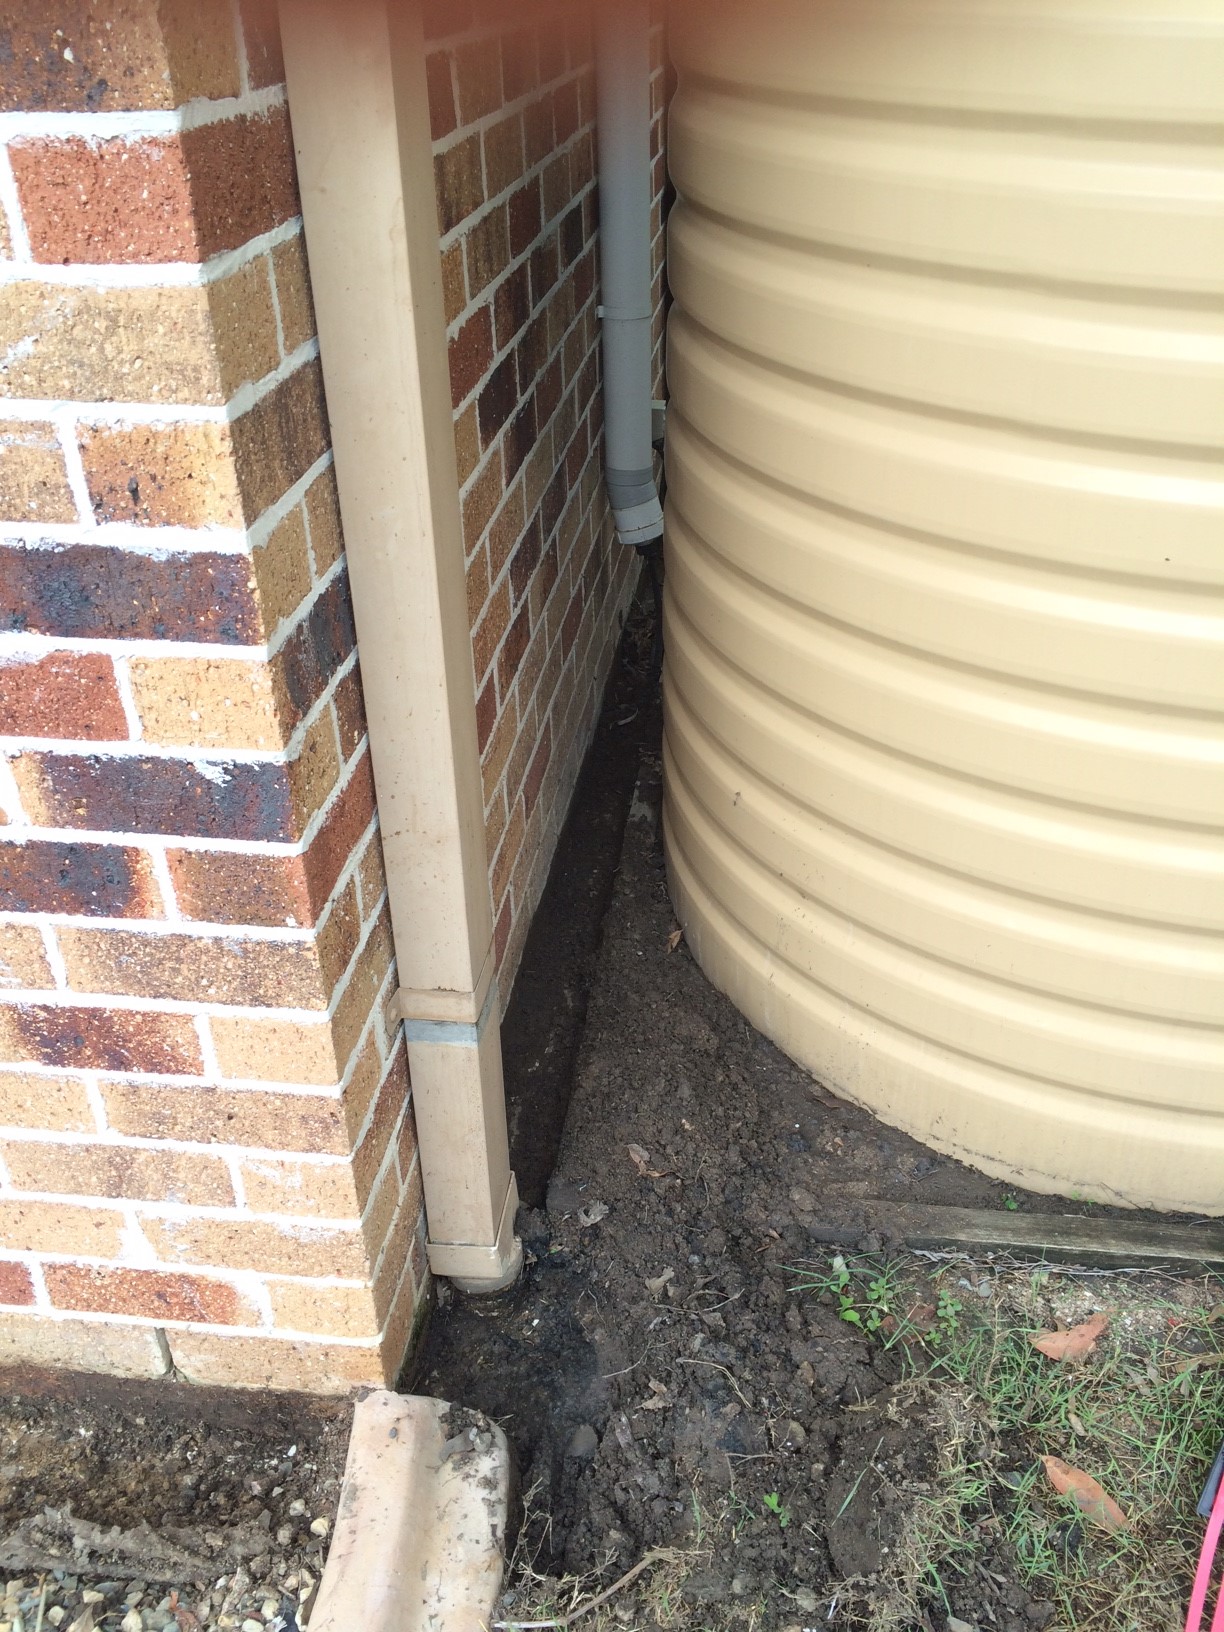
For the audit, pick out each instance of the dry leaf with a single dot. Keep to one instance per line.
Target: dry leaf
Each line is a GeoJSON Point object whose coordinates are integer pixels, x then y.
{"type": "Point", "coordinates": [641, 1160]}
{"type": "Point", "coordinates": [1084, 1491]}
{"type": "Point", "coordinates": [661, 1400]}
{"type": "Point", "coordinates": [592, 1214]}
{"type": "Point", "coordinates": [660, 1281]}
{"type": "Point", "coordinates": [1076, 1425]}
{"type": "Point", "coordinates": [959, 1626]}
{"type": "Point", "coordinates": [1191, 1361]}
{"type": "Point", "coordinates": [84, 1621]}
{"type": "Point", "coordinates": [1072, 1345]}
{"type": "Point", "coordinates": [674, 939]}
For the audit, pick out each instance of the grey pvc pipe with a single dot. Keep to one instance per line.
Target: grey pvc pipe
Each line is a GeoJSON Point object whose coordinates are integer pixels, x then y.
{"type": "Point", "coordinates": [622, 81]}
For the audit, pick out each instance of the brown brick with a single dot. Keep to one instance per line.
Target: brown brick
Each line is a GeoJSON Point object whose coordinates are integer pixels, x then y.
{"type": "Point", "coordinates": [60, 1227]}
{"type": "Point", "coordinates": [88, 1039]}
{"type": "Point", "coordinates": [479, 504]}
{"type": "Point", "coordinates": [373, 876]}
{"type": "Point", "coordinates": [538, 129]}
{"type": "Point", "coordinates": [296, 1249]}
{"type": "Point", "coordinates": [470, 353]}
{"type": "Point", "coordinates": [133, 795]}
{"type": "Point", "coordinates": [339, 935]}
{"type": "Point", "coordinates": [203, 702]}
{"type": "Point", "coordinates": [497, 400]}
{"type": "Point", "coordinates": [293, 292]}
{"type": "Point", "coordinates": [162, 475]}
{"type": "Point", "coordinates": [150, 1294]}
{"type": "Point", "coordinates": [477, 584]}
{"type": "Point", "coordinates": [535, 774]}
{"type": "Point", "coordinates": [88, 591]}
{"type": "Point", "coordinates": [335, 841]}
{"type": "Point", "coordinates": [503, 146]}
{"type": "Point", "coordinates": [389, 1107]}
{"type": "Point", "coordinates": [488, 633]}
{"type": "Point", "coordinates": [318, 645]}
{"type": "Point", "coordinates": [520, 63]}
{"type": "Point", "coordinates": [33, 482]}
{"type": "Point", "coordinates": [511, 305]}
{"type": "Point", "coordinates": [80, 1345]}
{"type": "Point", "coordinates": [507, 855]}
{"type": "Point", "coordinates": [119, 1172]}
{"type": "Point", "coordinates": [266, 1362]}
{"type": "Point", "coordinates": [506, 529]}
{"type": "Point", "coordinates": [243, 326]}
{"type": "Point", "coordinates": [486, 711]}
{"type": "Point", "coordinates": [442, 116]}
{"type": "Point", "coordinates": [300, 1189]}
{"type": "Point", "coordinates": [349, 702]}
{"type": "Point", "coordinates": [362, 991]}
{"type": "Point", "coordinates": [278, 440]}
{"type": "Point", "coordinates": [324, 1311]}
{"type": "Point", "coordinates": [282, 569]}
{"type": "Point", "coordinates": [56, 1104]}
{"type": "Point", "coordinates": [501, 931]}
{"type": "Point", "coordinates": [139, 55]}
{"type": "Point", "coordinates": [241, 887]}
{"type": "Point", "coordinates": [66, 694]}
{"type": "Point", "coordinates": [16, 1284]}
{"type": "Point", "coordinates": [311, 1124]}
{"type": "Point", "coordinates": [467, 442]}
{"type": "Point", "coordinates": [323, 515]}
{"type": "Point", "coordinates": [486, 249]}
{"type": "Point", "coordinates": [454, 285]}
{"type": "Point", "coordinates": [205, 969]}
{"type": "Point", "coordinates": [458, 182]}
{"type": "Point", "coordinates": [23, 959]}
{"type": "Point", "coordinates": [497, 749]}
{"type": "Point", "coordinates": [115, 345]}
{"type": "Point", "coordinates": [275, 1051]}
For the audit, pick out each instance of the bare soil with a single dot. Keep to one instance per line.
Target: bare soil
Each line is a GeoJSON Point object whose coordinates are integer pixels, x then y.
{"type": "Point", "coordinates": [191, 1505]}
{"type": "Point", "coordinates": [660, 1379]}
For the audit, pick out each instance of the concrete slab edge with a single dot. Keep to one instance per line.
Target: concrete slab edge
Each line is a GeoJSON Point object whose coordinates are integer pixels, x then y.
{"type": "Point", "coordinates": [421, 1522]}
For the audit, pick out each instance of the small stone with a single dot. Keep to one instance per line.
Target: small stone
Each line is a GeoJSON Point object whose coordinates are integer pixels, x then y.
{"type": "Point", "coordinates": [584, 1442]}
{"type": "Point", "coordinates": [269, 1608]}
{"type": "Point", "coordinates": [133, 1621]}
{"type": "Point", "coordinates": [320, 1526]}
{"type": "Point", "coordinates": [250, 1625]}
{"type": "Point", "coordinates": [56, 1614]}
{"type": "Point", "coordinates": [806, 1599]}
{"type": "Point", "coordinates": [92, 1596]}
{"type": "Point", "coordinates": [289, 1584]}
{"type": "Point", "coordinates": [297, 1508]}
{"type": "Point", "coordinates": [284, 1535]}
{"type": "Point", "coordinates": [794, 1435]}
{"type": "Point", "coordinates": [739, 1585]}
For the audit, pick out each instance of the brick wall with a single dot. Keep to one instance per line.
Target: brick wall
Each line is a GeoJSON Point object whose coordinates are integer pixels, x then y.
{"type": "Point", "coordinates": [512, 103]}
{"type": "Point", "coordinates": [207, 1157]}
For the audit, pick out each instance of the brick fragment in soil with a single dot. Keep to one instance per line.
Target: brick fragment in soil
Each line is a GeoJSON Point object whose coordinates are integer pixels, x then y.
{"type": "Point", "coordinates": [655, 1346]}
{"type": "Point", "coordinates": [144, 1476]}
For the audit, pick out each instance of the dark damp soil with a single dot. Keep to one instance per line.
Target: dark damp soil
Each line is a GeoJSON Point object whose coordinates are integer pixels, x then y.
{"type": "Point", "coordinates": [108, 1486]}
{"type": "Point", "coordinates": [655, 1372]}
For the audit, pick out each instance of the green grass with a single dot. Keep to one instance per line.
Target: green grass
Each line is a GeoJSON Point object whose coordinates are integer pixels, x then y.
{"type": "Point", "coordinates": [1134, 1415]}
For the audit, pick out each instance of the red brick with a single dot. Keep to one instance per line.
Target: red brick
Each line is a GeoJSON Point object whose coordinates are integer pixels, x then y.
{"type": "Point", "coordinates": [95, 880]}
{"type": "Point", "coordinates": [87, 591]}
{"type": "Point", "coordinates": [512, 305]}
{"type": "Point", "coordinates": [538, 129]}
{"type": "Point", "coordinates": [99, 1039]}
{"type": "Point", "coordinates": [16, 1286]}
{"type": "Point", "coordinates": [520, 63]}
{"type": "Point", "coordinates": [565, 111]}
{"type": "Point", "coordinates": [478, 72]}
{"type": "Point", "coordinates": [442, 117]}
{"type": "Point", "coordinates": [349, 703]}
{"type": "Point", "coordinates": [525, 218]}
{"type": "Point", "coordinates": [63, 695]}
{"type": "Point", "coordinates": [444, 17]}
{"type": "Point", "coordinates": [519, 440]}
{"type": "Point", "coordinates": [471, 352]}
{"type": "Point", "coordinates": [261, 36]}
{"type": "Point", "coordinates": [501, 932]}
{"type": "Point", "coordinates": [180, 199]}
{"type": "Point", "coordinates": [319, 645]}
{"type": "Point", "coordinates": [498, 398]}
{"type": "Point", "coordinates": [149, 1293]}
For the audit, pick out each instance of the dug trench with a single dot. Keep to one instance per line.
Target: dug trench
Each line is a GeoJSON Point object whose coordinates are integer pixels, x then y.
{"type": "Point", "coordinates": [662, 1382]}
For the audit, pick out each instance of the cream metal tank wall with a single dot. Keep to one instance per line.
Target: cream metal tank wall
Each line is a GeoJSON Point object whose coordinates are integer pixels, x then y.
{"type": "Point", "coordinates": [945, 565]}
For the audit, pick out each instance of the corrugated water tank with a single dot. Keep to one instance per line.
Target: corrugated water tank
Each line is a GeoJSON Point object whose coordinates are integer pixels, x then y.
{"type": "Point", "coordinates": [945, 562]}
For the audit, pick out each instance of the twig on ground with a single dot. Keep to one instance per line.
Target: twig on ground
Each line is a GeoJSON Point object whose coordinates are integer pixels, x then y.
{"type": "Point", "coordinates": [686, 1360]}
{"type": "Point", "coordinates": [660, 1555]}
